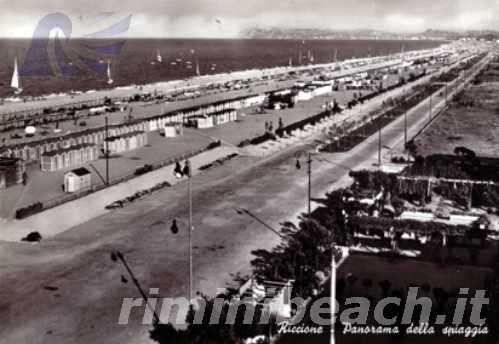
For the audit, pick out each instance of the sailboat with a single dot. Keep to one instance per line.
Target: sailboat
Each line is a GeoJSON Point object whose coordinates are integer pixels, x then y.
{"type": "Point", "coordinates": [16, 81]}
{"type": "Point", "coordinates": [159, 58]}
{"type": "Point", "coordinates": [109, 79]}
{"type": "Point", "coordinates": [198, 73]}
{"type": "Point", "coordinates": [290, 62]}
{"type": "Point", "coordinates": [337, 65]}
{"type": "Point", "coordinates": [404, 62]}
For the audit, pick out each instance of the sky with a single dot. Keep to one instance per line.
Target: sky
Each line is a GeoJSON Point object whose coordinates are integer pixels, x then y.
{"type": "Point", "coordinates": [227, 18]}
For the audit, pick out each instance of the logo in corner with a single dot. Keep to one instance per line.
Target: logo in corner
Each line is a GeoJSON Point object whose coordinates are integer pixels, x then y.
{"type": "Point", "coordinates": [49, 54]}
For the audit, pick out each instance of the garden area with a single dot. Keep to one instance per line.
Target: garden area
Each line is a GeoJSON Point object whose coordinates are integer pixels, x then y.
{"type": "Point", "coordinates": [479, 176]}
{"type": "Point", "coordinates": [346, 140]}
{"type": "Point", "coordinates": [305, 252]}
{"type": "Point", "coordinates": [470, 121]}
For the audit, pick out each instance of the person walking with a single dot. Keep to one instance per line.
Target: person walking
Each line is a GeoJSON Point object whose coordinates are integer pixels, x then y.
{"type": "Point", "coordinates": [178, 170]}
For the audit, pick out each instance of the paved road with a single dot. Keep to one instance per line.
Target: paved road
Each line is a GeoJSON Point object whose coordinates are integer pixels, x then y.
{"type": "Point", "coordinates": [86, 305]}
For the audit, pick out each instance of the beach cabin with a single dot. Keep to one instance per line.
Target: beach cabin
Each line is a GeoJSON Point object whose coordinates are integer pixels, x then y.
{"type": "Point", "coordinates": [77, 180]}
{"type": "Point", "coordinates": [173, 130]}
{"type": "Point", "coordinates": [69, 157]}
{"type": "Point", "coordinates": [125, 142]}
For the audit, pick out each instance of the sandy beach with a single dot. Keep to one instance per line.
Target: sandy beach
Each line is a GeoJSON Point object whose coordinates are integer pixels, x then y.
{"type": "Point", "coordinates": [172, 86]}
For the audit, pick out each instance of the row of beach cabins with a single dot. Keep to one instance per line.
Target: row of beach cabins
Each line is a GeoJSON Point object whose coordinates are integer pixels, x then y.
{"type": "Point", "coordinates": [78, 148]}
{"type": "Point", "coordinates": [83, 153]}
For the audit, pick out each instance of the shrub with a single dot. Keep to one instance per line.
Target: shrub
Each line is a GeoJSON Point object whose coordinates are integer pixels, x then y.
{"type": "Point", "coordinates": [257, 140]}
{"type": "Point", "coordinates": [143, 170]}
{"type": "Point", "coordinates": [244, 143]}
{"type": "Point", "coordinates": [29, 210]}
{"type": "Point", "coordinates": [214, 145]}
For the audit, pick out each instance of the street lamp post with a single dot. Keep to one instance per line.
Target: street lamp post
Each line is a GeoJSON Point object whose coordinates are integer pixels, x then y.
{"type": "Point", "coordinates": [379, 145]}
{"type": "Point", "coordinates": [405, 128]}
{"type": "Point", "coordinates": [333, 298]}
{"type": "Point", "coordinates": [309, 172]}
{"type": "Point", "coordinates": [189, 191]}
{"type": "Point", "coordinates": [446, 91]}
{"type": "Point", "coordinates": [107, 151]}
{"type": "Point", "coordinates": [179, 172]}
{"type": "Point", "coordinates": [430, 107]}
{"type": "Point", "coordinates": [309, 162]}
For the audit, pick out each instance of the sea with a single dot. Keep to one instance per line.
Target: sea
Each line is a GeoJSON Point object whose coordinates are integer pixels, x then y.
{"type": "Point", "coordinates": [60, 65]}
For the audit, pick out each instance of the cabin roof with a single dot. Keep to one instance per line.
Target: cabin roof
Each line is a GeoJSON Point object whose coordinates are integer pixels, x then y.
{"type": "Point", "coordinates": [80, 172]}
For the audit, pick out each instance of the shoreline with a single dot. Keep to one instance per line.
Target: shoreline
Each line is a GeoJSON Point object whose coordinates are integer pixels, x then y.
{"type": "Point", "coordinates": [13, 105]}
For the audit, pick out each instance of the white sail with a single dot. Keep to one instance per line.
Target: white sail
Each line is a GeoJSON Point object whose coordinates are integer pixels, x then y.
{"type": "Point", "coordinates": [16, 82]}
{"type": "Point", "coordinates": [198, 73]}
{"type": "Point", "coordinates": [159, 58]}
{"type": "Point", "coordinates": [290, 62]}
{"type": "Point", "coordinates": [109, 78]}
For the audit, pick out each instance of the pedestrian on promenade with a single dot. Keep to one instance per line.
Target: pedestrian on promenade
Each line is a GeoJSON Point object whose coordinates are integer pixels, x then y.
{"type": "Point", "coordinates": [178, 170]}
{"type": "Point", "coordinates": [187, 168]}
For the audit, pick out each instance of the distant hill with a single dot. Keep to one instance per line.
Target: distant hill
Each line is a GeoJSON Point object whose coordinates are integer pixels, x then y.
{"type": "Point", "coordinates": [284, 33]}
{"type": "Point", "coordinates": [288, 33]}
{"type": "Point", "coordinates": [478, 34]}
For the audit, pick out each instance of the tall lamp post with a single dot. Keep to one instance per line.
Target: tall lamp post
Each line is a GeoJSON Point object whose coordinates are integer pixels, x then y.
{"type": "Point", "coordinates": [379, 145]}
{"type": "Point", "coordinates": [107, 151]}
{"type": "Point", "coordinates": [405, 128]}
{"type": "Point", "coordinates": [309, 172]}
{"type": "Point", "coordinates": [179, 172]}
{"type": "Point", "coordinates": [430, 107]}
{"type": "Point", "coordinates": [189, 191]}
